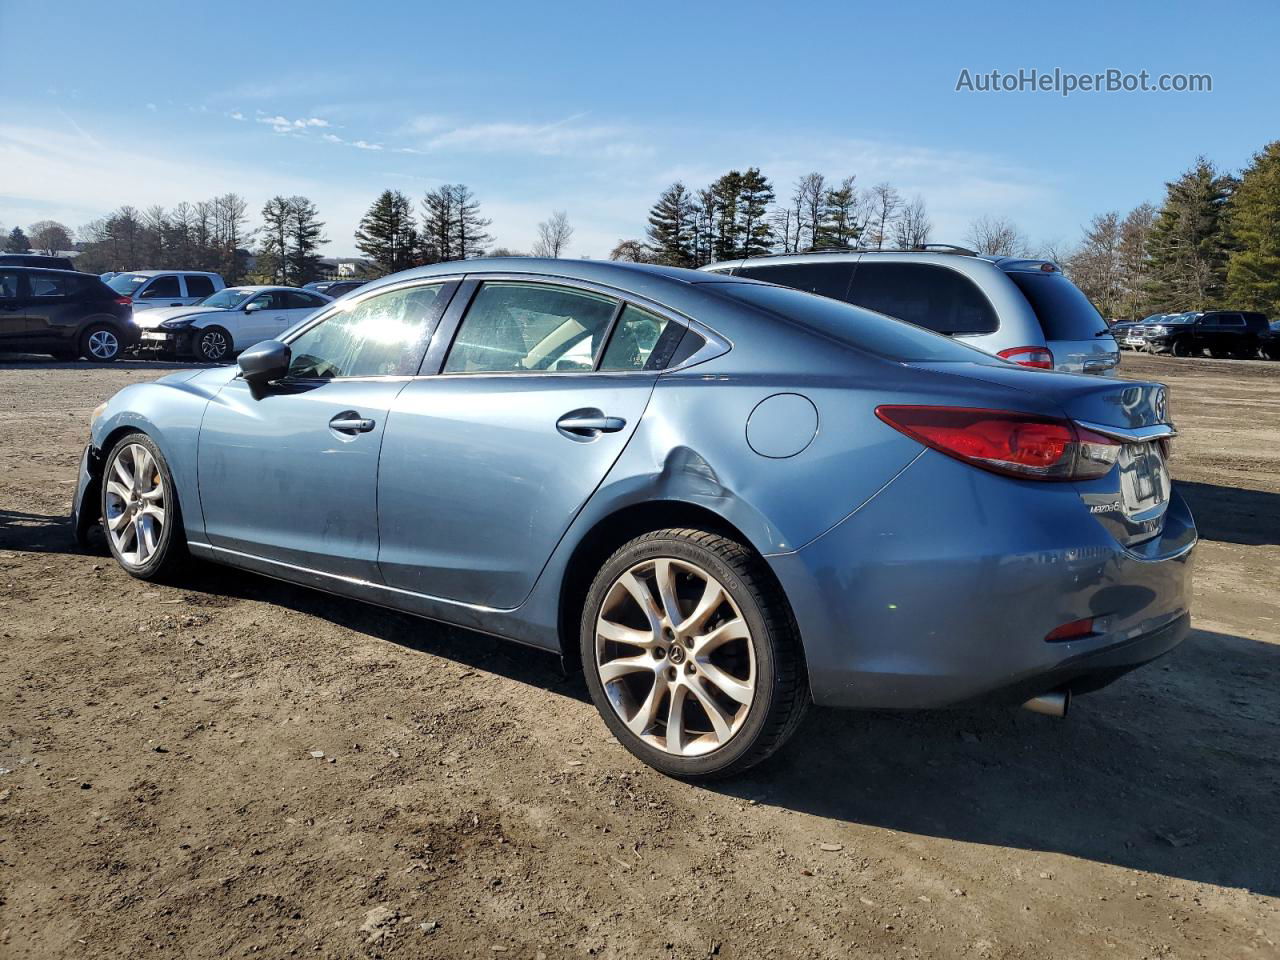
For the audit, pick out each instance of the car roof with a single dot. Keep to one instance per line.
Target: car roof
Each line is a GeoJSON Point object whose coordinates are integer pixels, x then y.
{"type": "Point", "coordinates": [939, 254]}
{"type": "Point", "coordinates": [259, 287]}
{"type": "Point", "coordinates": [70, 273]}
{"type": "Point", "coordinates": [156, 273]}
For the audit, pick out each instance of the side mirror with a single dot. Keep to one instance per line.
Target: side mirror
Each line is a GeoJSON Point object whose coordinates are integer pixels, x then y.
{"type": "Point", "coordinates": [254, 306]}
{"type": "Point", "coordinates": [264, 362]}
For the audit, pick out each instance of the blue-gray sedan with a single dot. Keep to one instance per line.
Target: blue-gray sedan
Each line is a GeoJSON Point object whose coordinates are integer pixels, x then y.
{"type": "Point", "coordinates": [727, 499]}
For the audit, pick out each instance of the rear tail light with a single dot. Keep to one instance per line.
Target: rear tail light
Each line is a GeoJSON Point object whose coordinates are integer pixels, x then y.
{"type": "Point", "coordinates": [1039, 358]}
{"type": "Point", "coordinates": [125, 301]}
{"type": "Point", "coordinates": [1003, 441]}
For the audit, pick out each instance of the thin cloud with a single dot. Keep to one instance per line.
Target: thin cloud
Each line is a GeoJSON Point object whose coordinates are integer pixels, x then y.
{"type": "Point", "coordinates": [281, 124]}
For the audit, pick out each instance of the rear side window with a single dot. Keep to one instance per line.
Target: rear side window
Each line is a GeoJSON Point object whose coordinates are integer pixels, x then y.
{"type": "Point", "coordinates": [198, 286]}
{"type": "Point", "coordinates": [825, 278]}
{"type": "Point", "coordinates": [525, 327]}
{"type": "Point", "coordinates": [1063, 311]}
{"type": "Point", "coordinates": [933, 297]}
{"type": "Point", "coordinates": [50, 285]}
{"type": "Point", "coordinates": [304, 301]}
{"type": "Point", "coordinates": [641, 341]}
{"type": "Point", "coordinates": [166, 286]}
{"type": "Point", "coordinates": [848, 324]}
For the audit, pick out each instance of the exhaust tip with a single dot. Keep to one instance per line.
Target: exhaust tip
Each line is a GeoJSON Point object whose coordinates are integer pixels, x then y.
{"type": "Point", "coordinates": [1052, 704]}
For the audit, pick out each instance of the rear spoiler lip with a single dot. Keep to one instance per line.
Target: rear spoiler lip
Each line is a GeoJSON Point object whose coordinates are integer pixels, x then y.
{"type": "Point", "coordinates": [1160, 431]}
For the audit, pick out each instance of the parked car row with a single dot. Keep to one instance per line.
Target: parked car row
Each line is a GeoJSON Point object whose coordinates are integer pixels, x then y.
{"type": "Point", "coordinates": [174, 314]}
{"type": "Point", "coordinates": [1236, 334]}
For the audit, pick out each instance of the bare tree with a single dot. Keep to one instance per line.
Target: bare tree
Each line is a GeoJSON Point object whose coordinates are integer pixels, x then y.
{"type": "Point", "coordinates": [554, 235]}
{"type": "Point", "coordinates": [631, 251]}
{"type": "Point", "coordinates": [49, 236]}
{"type": "Point", "coordinates": [1095, 268]}
{"type": "Point", "coordinates": [912, 228]}
{"type": "Point", "coordinates": [885, 202]}
{"type": "Point", "coordinates": [997, 237]}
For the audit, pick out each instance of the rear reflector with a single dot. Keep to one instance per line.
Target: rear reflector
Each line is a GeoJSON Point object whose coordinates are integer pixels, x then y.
{"type": "Point", "coordinates": [1038, 358]}
{"type": "Point", "coordinates": [1070, 631]}
{"type": "Point", "coordinates": [1005, 441]}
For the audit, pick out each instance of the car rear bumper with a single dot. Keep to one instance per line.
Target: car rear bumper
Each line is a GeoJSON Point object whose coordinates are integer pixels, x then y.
{"type": "Point", "coordinates": [942, 589]}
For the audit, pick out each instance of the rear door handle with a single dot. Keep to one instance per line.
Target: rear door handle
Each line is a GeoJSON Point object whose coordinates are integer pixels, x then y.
{"type": "Point", "coordinates": [351, 422]}
{"type": "Point", "coordinates": [590, 425]}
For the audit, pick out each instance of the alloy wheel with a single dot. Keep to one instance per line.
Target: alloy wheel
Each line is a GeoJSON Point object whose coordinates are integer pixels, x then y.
{"type": "Point", "coordinates": [135, 504]}
{"type": "Point", "coordinates": [675, 657]}
{"type": "Point", "coordinates": [213, 345]}
{"type": "Point", "coordinates": [104, 345]}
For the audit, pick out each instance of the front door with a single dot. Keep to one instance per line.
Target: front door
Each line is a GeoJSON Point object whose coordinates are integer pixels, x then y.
{"type": "Point", "coordinates": [290, 474]}
{"type": "Point", "coordinates": [13, 306]}
{"type": "Point", "coordinates": [486, 464]}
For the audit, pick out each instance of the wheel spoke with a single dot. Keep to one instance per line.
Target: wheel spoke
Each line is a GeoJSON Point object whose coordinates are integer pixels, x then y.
{"type": "Point", "coordinates": [712, 597]}
{"type": "Point", "coordinates": [123, 473]}
{"type": "Point", "coordinates": [645, 717]}
{"type": "Point", "coordinates": [118, 490]}
{"type": "Point", "coordinates": [642, 595]}
{"type": "Point", "coordinates": [145, 544]}
{"type": "Point", "coordinates": [664, 572]}
{"type": "Point", "coordinates": [143, 466]}
{"type": "Point", "coordinates": [624, 667]}
{"type": "Point", "coordinates": [155, 493]}
{"type": "Point", "coordinates": [116, 522]}
{"type": "Point", "coordinates": [731, 686]}
{"type": "Point", "coordinates": [735, 629]}
{"type": "Point", "coordinates": [675, 719]}
{"type": "Point", "coordinates": [617, 633]}
{"type": "Point", "coordinates": [155, 513]}
{"type": "Point", "coordinates": [721, 722]}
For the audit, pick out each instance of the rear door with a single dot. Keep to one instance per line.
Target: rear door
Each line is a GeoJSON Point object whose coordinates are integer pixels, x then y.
{"type": "Point", "coordinates": [52, 304]}
{"type": "Point", "coordinates": [488, 459]}
{"type": "Point", "coordinates": [1074, 330]}
{"type": "Point", "coordinates": [198, 286]}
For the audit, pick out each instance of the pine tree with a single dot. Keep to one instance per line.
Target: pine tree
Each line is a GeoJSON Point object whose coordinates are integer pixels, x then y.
{"type": "Point", "coordinates": [724, 196]}
{"type": "Point", "coordinates": [471, 238]}
{"type": "Point", "coordinates": [17, 242]}
{"type": "Point", "coordinates": [1188, 243]}
{"type": "Point", "coordinates": [838, 226]}
{"type": "Point", "coordinates": [438, 234]}
{"type": "Point", "coordinates": [273, 262]}
{"type": "Point", "coordinates": [386, 235]}
{"type": "Point", "coordinates": [754, 196]}
{"type": "Point", "coordinates": [1253, 270]}
{"type": "Point", "coordinates": [671, 227]}
{"type": "Point", "coordinates": [305, 235]}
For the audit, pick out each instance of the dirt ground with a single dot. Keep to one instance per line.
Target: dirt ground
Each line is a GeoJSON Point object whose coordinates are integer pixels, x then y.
{"type": "Point", "coordinates": [160, 793]}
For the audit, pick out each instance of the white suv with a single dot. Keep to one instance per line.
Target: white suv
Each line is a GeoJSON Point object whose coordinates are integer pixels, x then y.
{"type": "Point", "coordinates": [165, 288]}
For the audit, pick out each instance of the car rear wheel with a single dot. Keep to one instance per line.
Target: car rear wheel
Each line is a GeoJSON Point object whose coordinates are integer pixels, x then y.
{"type": "Point", "coordinates": [213, 344]}
{"type": "Point", "coordinates": [100, 343]}
{"type": "Point", "coordinates": [140, 512]}
{"type": "Point", "coordinates": [1180, 348]}
{"type": "Point", "coordinates": [692, 655]}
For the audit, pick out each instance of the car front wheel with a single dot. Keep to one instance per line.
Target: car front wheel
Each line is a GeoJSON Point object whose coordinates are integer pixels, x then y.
{"type": "Point", "coordinates": [213, 344]}
{"type": "Point", "coordinates": [692, 655]}
{"type": "Point", "coordinates": [140, 512]}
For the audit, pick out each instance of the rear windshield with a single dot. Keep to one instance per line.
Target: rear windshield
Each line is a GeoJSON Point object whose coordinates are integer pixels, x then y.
{"type": "Point", "coordinates": [1063, 311]}
{"type": "Point", "coordinates": [873, 332]}
{"type": "Point", "coordinates": [126, 283]}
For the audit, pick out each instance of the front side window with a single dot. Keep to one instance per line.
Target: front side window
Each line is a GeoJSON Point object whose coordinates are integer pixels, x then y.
{"type": "Point", "coordinates": [932, 297]}
{"type": "Point", "coordinates": [378, 337]}
{"type": "Point", "coordinates": [527, 327]}
{"type": "Point", "coordinates": [271, 300]}
{"type": "Point", "coordinates": [198, 286]}
{"type": "Point", "coordinates": [166, 286]}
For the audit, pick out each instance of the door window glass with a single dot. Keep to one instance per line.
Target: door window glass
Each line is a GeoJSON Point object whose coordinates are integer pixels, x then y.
{"type": "Point", "coordinates": [524, 327]}
{"type": "Point", "coordinates": [640, 341]}
{"type": "Point", "coordinates": [378, 337]}
{"type": "Point", "coordinates": [936, 298]}
{"type": "Point", "coordinates": [304, 301]}
{"type": "Point", "coordinates": [271, 300]}
{"type": "Point", "coordinates": [49, 285]}
{"type": "Point", "coordinates": [8, 284]}
{"type": "Point", "coordinates": [166, 286]}
{"type": "Point", "coordinates": [198, 286]}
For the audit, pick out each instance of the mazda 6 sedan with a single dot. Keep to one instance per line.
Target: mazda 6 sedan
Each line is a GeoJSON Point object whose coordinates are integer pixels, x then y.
{"type": "Point", "coordinates": [724, 499]}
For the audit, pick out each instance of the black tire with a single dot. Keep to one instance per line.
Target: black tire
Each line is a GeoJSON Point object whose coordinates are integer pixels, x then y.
{"type": "Point", "coordinates": [781, 691]}
{"type": "Point", "coordinates": [1181, 348]}
{"type": "Point", "coordinates": [169, 556]}
{"type": "Point", "coordinates": [212, 344]}
{"type": "Point", "coordinates": [101, 343]}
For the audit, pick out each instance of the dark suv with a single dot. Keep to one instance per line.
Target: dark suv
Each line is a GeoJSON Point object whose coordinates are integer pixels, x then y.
{"type": "Point", "coordinates": [1224, 333]}
{"type": "Point", "coordinates": [35, 260]}
{"type": "Point", "coordinates": [63, 313]}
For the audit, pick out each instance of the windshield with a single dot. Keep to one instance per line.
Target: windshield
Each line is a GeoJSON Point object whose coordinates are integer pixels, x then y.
{"type": "Point", "coordinates": [126, 283]}
{"type": "Point", "coordinates": [227, 299]}
{"type": "Point", "coordinates": [1179, 318]}
{"type": "Point", "coordinates": [873, 332]}
{"type": "Point", "coordinates": [1063, 311]}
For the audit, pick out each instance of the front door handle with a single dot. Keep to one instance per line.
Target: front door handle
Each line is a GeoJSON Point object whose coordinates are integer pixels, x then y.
{"type": "Point", "coordinates": [590, 425]}
{"type": "Point", "coordinates": [351, 422]}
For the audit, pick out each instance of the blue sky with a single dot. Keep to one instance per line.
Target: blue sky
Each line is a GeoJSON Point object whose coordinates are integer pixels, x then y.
{"type": "Point", "coordinates": [594, 107]}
